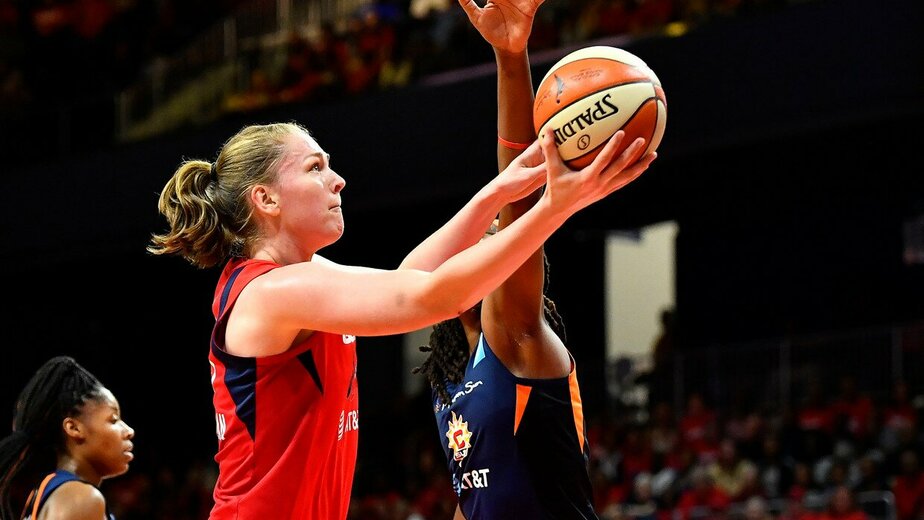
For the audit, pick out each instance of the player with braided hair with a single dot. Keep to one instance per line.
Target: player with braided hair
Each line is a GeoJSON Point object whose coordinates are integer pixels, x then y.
{"type": "Point", "coordinates": [67, 434]}
{"type": "Point", "coordinates": [505, 391]}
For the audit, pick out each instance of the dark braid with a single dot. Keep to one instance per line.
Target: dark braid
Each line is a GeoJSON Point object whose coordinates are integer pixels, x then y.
{"type": "Point", "coordinates": [554, 319]}
{"type": "Point", "coordinates": [548, 306]}
{"type": "Point", "coordinates": [56, 391]}
{"type": "Point", "coordinates": [449, 349]}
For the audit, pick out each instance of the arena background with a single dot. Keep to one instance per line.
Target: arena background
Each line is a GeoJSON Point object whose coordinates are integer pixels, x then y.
{"type": "Point", "coordinates": [791, 164]}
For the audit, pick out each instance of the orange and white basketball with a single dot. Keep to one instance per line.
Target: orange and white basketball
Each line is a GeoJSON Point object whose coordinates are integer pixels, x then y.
{"type": "Point", "coordinates": [593, 92]}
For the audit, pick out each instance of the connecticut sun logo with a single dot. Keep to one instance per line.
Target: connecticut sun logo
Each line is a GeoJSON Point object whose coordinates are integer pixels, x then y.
{"type": "Point", "coordinates": [460, 439]}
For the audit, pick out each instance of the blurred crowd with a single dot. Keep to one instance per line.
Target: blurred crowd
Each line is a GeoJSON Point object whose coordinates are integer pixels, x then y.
{"type": "Point", "coordinates": [390, 44]}
{"type": "Point", "coordinates": [64, 62]}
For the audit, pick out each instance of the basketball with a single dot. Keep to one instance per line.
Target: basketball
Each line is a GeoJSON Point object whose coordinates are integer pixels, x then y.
{"type": "Point", "coordinates": [592, 93]}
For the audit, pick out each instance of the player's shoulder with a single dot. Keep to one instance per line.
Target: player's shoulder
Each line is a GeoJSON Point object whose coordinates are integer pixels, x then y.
{"type": "Point", "coordinates": [75, 500]}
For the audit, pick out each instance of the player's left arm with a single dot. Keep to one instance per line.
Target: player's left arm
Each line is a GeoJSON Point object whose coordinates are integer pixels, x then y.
{"type": "Point", "coordinates": [512, 315]}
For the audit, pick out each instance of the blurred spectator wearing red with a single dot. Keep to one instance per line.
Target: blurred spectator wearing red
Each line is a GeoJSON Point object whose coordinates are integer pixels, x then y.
{"type": "Point", "coordinates": [703, 499]}
{"type": "Point", "coordinates": [908, 487]}
{"type": "Point", "coordinates": [698, 427]}
{"type": "Point", "coordinates": [842, 506]}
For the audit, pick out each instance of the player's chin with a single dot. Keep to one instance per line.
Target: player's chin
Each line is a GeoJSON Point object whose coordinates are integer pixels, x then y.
{"type": "Point", "coordinates": [120, 469]}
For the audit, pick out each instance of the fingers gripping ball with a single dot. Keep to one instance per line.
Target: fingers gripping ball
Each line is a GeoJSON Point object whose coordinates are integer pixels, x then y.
{"type": "Point", "coordinates": [592, 93]}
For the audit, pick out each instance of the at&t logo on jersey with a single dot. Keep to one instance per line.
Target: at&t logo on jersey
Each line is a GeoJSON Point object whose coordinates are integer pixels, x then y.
{"type": "Point", "coordinates": [471, 480]}
{"type": "Point", "coordinates": [460, 439]}
{"type": "Point", "coordinates": [221, 426]}
{"type": "Point", "coordinates": [348, 422]}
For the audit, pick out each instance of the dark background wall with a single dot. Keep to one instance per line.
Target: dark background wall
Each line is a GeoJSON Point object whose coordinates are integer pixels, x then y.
{"type": "Point", "coordinates": [791, 159]}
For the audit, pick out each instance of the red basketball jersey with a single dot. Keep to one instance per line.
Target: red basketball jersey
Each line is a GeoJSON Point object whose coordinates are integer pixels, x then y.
{"type": "Point", "coordinates": [286, 424]}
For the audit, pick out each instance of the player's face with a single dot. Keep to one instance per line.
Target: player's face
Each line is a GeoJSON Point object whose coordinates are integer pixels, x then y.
{"type": "Point", "coordinates": [309, 192]}
{"type": "Point", "coordinates": [108, 441]}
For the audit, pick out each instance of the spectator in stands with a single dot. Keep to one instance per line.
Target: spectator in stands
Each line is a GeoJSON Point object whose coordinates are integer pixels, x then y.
{"type": "Point", "coordinates": [842, 506]}
{"type": "Point", "coordinates": [675, 477]}
{"type": "Point", "coordinates": [803, 487]}
{"type": "Point", "coordinates": [651, 14]}
{"type": "Point", "coordinates": [329, 48]}
{"type": "Point", "coordinates": [604, 448]}
{"type": "Point", "coordinates": [745, 426]}
{"type": "Point", "coordinates": [854, 408]}
{"type": "Point", "coordinates": [870, 476]}
{"type": "Point", "coordinates": [775, 468]}
{"type": "Point", "coordinates": [613, 17]}
{"type": "Point", "coordinates": [907, 439]}
{"type": "Point", "coordinates": [838, 471]}
{"type": "Point", "coordinates": [302, 72]}
{"type": "Point", "coordinates": [703, 499]}
{"type": "Point", "coordinates": [755, 508]}
{"type": "Point", "coordinates": [663, 432]}
{"type": "Point", "coordinates": [635, 450]}
{"type": "Point", "coordinates": [908, 487]}
{"type": "Point", "coordinates": [839, 466]}
{"type": "Point", "coordinates": [897, 414]}
{"type": "Point", "coordinates": [260, 94]}
{"type": "Point", "coordinates": [796, 510]}
{"type": "Point", "coordinates": [815, 423]}
{"type": "Point", "coordinates": [729, 469]}
{"type": "Point", "coordinates": [641, 504]}
{"type": "Point", "coordinates": [699, 427]}
{"type": "Point", "coordinates": [750, 485]}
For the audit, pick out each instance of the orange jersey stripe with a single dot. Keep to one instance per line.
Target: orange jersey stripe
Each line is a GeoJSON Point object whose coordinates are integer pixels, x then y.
{"type": "Point", "coordinates": [522, 398]}
{"type": "Point", "coordinates": [577, 408]}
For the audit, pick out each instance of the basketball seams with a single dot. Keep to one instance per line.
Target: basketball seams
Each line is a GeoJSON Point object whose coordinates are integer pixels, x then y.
{"type": "Point", "coordinates": [657, 133]}
{"type": "Point", "coordinates": [602, 52]}
{"type": "Point", "coordinates": [642, 70]}
{"type": "Point", "coordinates": [561, 108]}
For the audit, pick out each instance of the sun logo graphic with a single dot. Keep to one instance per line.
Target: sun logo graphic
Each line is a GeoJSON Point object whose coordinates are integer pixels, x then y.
{"type": "Point", "coordinates": [460, 439]}
{"type": "Point", "coordinates": [559, 88]}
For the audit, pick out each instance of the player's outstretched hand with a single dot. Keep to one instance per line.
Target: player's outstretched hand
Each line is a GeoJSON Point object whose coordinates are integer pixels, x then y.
{"type": "Point", "coordinates": [570, 191]}
{"type": "Point", "coordinates": [505, 24]}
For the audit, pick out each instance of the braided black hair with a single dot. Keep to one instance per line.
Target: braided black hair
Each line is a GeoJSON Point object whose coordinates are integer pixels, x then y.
{"type": "Point", "coordinates": [449, 350]}
{"type": "Point", "coordinates": [57, 390]}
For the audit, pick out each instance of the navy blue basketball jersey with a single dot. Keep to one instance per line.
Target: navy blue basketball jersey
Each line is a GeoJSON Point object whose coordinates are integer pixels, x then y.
{"type": "Point", "coordinates": [516, 447]}
{"type": "Point", "coordinates": [49, 484]}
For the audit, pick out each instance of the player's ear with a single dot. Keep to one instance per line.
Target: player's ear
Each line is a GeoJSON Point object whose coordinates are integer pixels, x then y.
{"type": "Point", "coordinates": [264, 199]}
{"type": "Point", "coordinates": [74, 428]}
